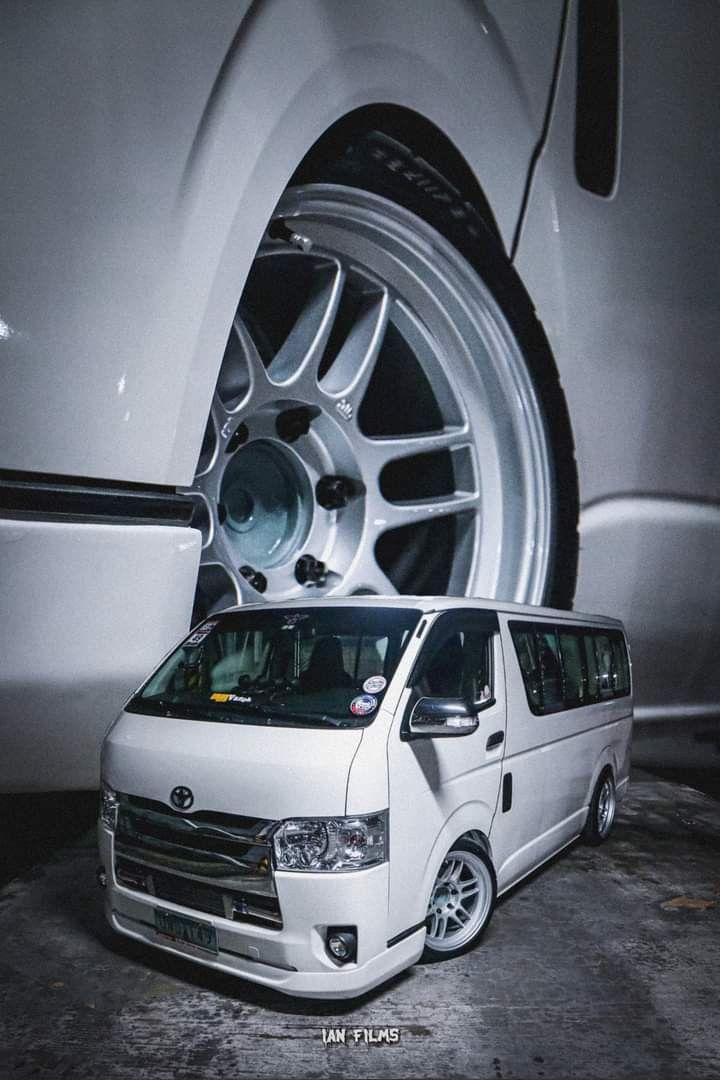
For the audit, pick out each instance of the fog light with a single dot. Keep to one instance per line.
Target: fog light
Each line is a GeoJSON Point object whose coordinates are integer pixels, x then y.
{"type": "Point", "coordinates": [101, 877]}
{"type": "Point", "coordinates": [342, 943]}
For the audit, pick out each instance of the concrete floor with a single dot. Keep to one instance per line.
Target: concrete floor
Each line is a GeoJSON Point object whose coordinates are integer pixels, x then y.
{"type": "Point", "coordinates": [583, 973]}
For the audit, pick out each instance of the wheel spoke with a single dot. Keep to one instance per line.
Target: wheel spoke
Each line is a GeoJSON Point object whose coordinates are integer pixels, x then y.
{"type": "Point", "coordinates": [299, 357]}
{"type": "Point", "coordinates": [468, 889]}
{"type": "Point", "coordinates": [259, 383]}
{"type": "Point", "coordinates": [457, 869]}
{"type": "Point", "coordinates": [353, 367]}
{"type": "Point", "coordinates": [384, 450]}
{"type": "Point", "coordinates": [447, 873]}
{"type": "Point", "coordinates": [386, 515]}
{"type": "Point", "coordinates": [366, 576]}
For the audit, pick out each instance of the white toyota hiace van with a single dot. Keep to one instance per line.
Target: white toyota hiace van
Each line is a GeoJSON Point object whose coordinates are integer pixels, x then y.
{"type": "Point", "coordinates": [313, 796]}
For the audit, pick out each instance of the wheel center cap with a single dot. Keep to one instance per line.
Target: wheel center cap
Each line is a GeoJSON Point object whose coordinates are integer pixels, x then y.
{"type": "Point", "coordinates": [268, 503]}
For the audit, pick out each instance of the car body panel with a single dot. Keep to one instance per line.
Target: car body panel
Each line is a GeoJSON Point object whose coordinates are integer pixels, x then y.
{"type": "Point", "coordinates": [141, 187]}
{"type": "Point", "coordinates": [625, 287]}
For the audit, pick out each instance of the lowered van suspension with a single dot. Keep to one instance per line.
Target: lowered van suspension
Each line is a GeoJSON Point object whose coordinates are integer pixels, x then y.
{"type": "Point", "coordinates": [314, 796]}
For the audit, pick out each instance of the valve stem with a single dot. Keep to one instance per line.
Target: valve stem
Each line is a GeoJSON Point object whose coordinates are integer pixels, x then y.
{"type": "Point", "coordinates": [280, 230]}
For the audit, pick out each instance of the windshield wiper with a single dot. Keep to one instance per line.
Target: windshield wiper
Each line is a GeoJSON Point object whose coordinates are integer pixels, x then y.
{"type": "Point", "coordinates": [234, 713]}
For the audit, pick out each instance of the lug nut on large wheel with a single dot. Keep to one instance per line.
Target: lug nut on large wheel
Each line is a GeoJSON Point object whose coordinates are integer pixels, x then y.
{"type": "Point", "coordinates": [238, 438]}
{"type": "Point", "coordinates": [254, 578]}
{"type": "Point", "coordinates": [310, 571]}
{"type": "Point", "coordinates": [293, 423]}
{"type": "Point", "coordinates": [334, 492]}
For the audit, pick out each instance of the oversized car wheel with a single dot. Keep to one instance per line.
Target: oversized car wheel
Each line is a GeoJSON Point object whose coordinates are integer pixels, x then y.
{"type": "Point", "coordinates": [388, 417]}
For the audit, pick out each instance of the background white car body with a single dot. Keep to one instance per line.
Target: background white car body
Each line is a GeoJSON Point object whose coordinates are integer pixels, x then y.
{"type": "Point", "coordinates": [148, 147]}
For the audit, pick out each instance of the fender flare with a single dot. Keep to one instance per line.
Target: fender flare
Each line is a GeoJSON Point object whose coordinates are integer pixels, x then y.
{"type": "Point", "coordinates": [471, 817]}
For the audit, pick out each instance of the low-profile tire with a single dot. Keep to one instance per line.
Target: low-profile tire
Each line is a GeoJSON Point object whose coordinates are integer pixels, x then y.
{"type": "Point", "coordinates": [461, 902]}
{"type": "Point", "coordinates": [601, 814]}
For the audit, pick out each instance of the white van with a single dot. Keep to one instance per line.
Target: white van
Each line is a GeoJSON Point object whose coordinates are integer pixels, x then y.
{"type": "Point", "coordinates": [314, 796]}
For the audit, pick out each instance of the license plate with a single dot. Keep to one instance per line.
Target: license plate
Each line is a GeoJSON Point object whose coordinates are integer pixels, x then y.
{"type": "Point", "coordinates": [178, 928]}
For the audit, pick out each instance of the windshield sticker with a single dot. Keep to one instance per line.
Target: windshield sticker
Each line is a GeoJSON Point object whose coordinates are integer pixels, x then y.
{"type": "Point", "coordinates": [291, 621]}
{"type": "Point", "coordinates": [363, 705]}
{"type": "Point", "coordinates": [202, 632]}
{"type": "Point", "coordinates": [375, 684]}
{"type": "Point", "coordinates": [230, 697]}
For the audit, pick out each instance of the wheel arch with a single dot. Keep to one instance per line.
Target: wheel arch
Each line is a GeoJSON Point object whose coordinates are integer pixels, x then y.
{"type": "Point", "coordinates": [606, 761]}
{"type": "Point", "coordinates": [481, 142]}
{"type": "Point", "coordinates": [471, 821]}
{"type": "Point", "coordinates": [407, 126]}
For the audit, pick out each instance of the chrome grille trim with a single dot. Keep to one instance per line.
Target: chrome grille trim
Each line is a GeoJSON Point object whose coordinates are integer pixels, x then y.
{"type": "Point", "coordinates": [216, 863]}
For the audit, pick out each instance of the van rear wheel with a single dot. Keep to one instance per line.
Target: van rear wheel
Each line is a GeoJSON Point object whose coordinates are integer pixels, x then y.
{"type": "Point", "coordinates": [601, 814]}
{"type": "Point", "coordinates": [461, 902]}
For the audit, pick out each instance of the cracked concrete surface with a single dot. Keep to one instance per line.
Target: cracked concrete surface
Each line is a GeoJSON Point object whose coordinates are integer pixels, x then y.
{"type": "Point", "coordinates": [583, 973]}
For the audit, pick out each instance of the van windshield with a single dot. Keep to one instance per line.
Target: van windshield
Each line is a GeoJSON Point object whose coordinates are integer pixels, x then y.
{"type": "Point", "coordinates": [303, 667]}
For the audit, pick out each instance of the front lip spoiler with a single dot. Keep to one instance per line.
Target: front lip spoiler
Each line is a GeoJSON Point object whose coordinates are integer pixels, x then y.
{"type": "Point", "coordinates": [178, 946]}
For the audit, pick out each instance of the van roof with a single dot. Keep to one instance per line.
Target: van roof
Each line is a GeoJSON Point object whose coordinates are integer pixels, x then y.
{"type": "Point", "coordinates": [430, 604]}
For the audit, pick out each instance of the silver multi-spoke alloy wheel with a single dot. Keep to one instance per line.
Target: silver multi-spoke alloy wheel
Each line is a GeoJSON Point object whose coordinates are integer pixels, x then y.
{"type": "Point", "coordinates": [460, 903]}
{"type": "Point", "coordinates": [375, 428]}
{"type": "Point", "coordinates": [606, 807]}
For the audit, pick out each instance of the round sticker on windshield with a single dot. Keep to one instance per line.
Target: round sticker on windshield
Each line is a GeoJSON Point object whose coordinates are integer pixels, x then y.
{"type": "Point", "coordinates": [375, 684]}
{"type": "Point", "coordinates": [363, 705]}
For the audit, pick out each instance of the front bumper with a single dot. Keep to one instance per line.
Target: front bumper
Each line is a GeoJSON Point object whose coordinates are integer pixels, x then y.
{"type": "Point", "coordinates": [292, 960]}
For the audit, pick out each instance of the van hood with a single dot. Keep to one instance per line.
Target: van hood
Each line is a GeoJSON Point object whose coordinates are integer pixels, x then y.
{"type": "Point", "coordinates": [256, 771]}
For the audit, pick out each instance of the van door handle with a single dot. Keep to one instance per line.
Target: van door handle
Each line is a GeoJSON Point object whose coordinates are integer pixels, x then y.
{"type": "Point", "coordinates": [495, 740]}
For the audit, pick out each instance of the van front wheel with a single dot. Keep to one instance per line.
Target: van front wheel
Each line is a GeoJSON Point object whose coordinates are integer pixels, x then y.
{"type": "Point", "coordinates": [461, 901]}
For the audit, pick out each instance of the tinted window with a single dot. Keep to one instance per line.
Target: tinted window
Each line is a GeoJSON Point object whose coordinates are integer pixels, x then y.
{"type": "Point", "coordinates": [550, 669]}
{"type": "Point", "coordinates": [529, 665]}
{"type": "Point", "coordinates": [603, 652]}
{"type": "Point", "coordinates": [456, 661]}
{"type": "Point", "coordinates": [301, 667]}
{"type": "Point", "coordinates": [564, 668]}
{"type": "Point", "coordinates": [621, 665]}
{"type": "Point", "coordinates": [575, 683]}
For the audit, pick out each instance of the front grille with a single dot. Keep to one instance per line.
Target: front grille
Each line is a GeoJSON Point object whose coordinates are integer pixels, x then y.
{"type": "Point", "coordinates": [219, 864]}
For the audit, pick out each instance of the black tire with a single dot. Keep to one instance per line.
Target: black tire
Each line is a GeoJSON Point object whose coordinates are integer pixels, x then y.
{"type": "Point", "coordinates": [596, 831]}
{"type": "Point", "coordinates": [380, 164]}
{"type": "Point", "coordinates": [431, 955]}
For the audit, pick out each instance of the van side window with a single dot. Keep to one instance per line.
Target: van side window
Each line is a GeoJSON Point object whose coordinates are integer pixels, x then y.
{"type": "Point", "coordinates": [529, 665]}
{"type": "Point", "coordinates": [456, 665]}
{"type": "Point", "coordinates": [591, 666]}
{"type": "Point", "coordinates": [603, 651]}
{"type": "Point", "coordinates": [575, 680]}
{"type": "Point", "coordinates": [621, 666]}
{"type": "Point", "coordinates": [565, 667]}
{"type": "Point", "coordinates": [550, 670]}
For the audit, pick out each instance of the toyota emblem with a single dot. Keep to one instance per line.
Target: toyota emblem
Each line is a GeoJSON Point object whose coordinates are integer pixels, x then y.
{"type": "Point", "coordinates": [182, 798]}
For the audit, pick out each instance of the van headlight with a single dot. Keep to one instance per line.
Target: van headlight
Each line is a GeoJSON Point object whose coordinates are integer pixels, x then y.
{"type": "Point", "coordinates": [108, 807]}
{"type": "Point", "coordinates": [343, 843]}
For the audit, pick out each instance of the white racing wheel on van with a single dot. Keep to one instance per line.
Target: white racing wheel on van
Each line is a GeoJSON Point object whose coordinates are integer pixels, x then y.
{"type": "Point", "coordinates": [461, 903]}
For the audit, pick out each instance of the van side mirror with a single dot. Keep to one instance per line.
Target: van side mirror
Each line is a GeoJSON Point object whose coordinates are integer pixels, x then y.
{"type": "Point", "coordinates": [441, 718]}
